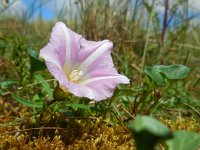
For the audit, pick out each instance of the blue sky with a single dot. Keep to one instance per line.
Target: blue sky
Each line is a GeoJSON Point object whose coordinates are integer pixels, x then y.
{"type": "Point", "coordinates": [46, 12]}
{"type": "Point", "coordinates": [51, 8]}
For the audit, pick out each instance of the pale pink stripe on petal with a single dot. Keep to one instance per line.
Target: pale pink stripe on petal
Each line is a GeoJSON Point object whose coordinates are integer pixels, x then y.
{"type": "Point", "coordinates": [67, 43]}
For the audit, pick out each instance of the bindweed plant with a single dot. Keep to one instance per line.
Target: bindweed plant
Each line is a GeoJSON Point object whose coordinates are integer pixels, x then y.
{"type": "Point", "coordinates": [147, 131]}
{"type": "Point", "coordinates": [96, 115]}
{"type": "Point", "coordinates": [86, 84]}
{"type": "Point", "coordinates": [84, 70]}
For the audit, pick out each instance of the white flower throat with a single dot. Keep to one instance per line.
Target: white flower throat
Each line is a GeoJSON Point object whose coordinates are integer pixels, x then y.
{"type": "Point", "coordinates": [75, 75]}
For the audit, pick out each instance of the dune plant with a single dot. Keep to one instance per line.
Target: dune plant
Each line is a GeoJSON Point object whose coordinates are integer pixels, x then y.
{"type": "Point", "coordinates": [82, 101]}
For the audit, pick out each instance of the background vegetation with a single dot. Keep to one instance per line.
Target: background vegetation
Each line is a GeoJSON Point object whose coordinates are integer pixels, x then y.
{"type": "Point", "coordinates": [142, 36]}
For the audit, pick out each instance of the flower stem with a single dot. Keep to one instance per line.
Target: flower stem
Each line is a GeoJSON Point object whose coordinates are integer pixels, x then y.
{"type": "Point", "coordinates": [147, 37]}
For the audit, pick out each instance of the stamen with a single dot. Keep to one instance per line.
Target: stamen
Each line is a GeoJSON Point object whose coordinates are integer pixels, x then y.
{"type": "Point", "coordinates": [75, 75]}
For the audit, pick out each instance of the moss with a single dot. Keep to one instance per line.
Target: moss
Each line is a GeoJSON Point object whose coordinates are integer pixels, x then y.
{"type": "Point", "coordinates": [180, 123]}
{"type": "Point", "coordinates": [20, 142]}
{"type": "Point", "coordinates": [48, 131]}
{"type": "Point", "coordinates": [90, 137]}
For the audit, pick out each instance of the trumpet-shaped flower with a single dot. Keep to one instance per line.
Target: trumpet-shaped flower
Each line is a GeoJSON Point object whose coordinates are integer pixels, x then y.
{"type": "Point", "coordinates": [84, 68]}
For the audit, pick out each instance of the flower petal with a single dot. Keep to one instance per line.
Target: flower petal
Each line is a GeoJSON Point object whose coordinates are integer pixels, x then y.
{"type": "Point", "coordinates": [100, 77]}
{"type": "Point", "coordinates": [68, 52]}
{"type": "Point", "coordinates": [48, 53]}
{"type": "Point", "coordinates": [104, 86]}
{"type": "Point", "coordinates": [67, 45]}
{"type": "Point", "coordinates": [92, 52]}
{"type": "Point", "coordinates": [98, 88]}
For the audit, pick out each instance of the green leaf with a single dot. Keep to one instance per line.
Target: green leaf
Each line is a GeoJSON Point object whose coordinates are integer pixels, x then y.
{"type": "Point", "coordinates": [33, 53]}
{"type": "Point", "coordinates": [148, 132]}
{"type": "Point", "coordinates": [174, 71]}
{"type": "Point", "coordinates": [27, 102]}
{"type": "Point", "coordinates": [158, 73]}
{"type": "Point", "coordinates": [3, 43]}
{"type": "Point", "coordinates": [5, 84]}
{"type": "Point", "coordinates": [36, 63]}
{"type": "Point", "coordinates": [184, 140]}
{"type": "Point", "coordinates": [8, 82]}
{"type": "Point", "coordinates": [148, 7]}
{"type": "Point", "coordinates": [155, 75]}
{"type": "Point", "coordinates": [44, 84]}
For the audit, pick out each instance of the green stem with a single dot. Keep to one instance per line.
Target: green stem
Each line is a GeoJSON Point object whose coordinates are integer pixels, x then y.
{"type": "Point", "coordinates": [111, 101]}
{"type": "Point", "coordinates": [147, 37]}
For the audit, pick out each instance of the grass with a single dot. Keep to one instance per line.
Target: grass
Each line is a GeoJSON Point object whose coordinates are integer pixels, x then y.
{"type": "Point", "coordinates": [140, 39]}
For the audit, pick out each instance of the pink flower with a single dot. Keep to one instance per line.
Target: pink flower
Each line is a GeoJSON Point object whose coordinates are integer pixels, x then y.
{"type": "Point", "coordinates": [84, 68]}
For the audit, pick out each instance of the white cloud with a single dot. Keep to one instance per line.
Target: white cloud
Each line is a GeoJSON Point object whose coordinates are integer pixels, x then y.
{"type": "Point", "coordinates": [194, 5]}
{"type": "Point", "coordinates": [160, 4]}
{"type": "Point", "coordinates": [56, 5]}
{"type": "Point", "coordinates": [59, 6]}
{"type": "Point", "coordinates": [194, 8]}
{"type": "Point", "coordinates": [15, 8]}
{"type": "Point", "coordinates": [68, 8]}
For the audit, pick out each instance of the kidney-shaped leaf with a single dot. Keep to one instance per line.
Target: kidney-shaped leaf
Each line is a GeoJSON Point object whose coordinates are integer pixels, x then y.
{"type": "Point", "coordinates": [176, 71]}
{"type": "Point", "coordinates": [173, 72]}
{"type": "Point", "coordinates": [184, 140]}
{"type": "Point", "coordinates": [155, 75]}
{"type": "Point", "coordinates": [148, 131]}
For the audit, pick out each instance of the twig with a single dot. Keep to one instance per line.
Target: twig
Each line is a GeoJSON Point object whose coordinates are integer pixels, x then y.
{"type": "Point", "coordinates": [194, 109]}
{"type": "Point", "coordinates": [120, 117]}
{"type": "Point", "coordinates": [137, 68]}
{"type": "Point", "coordinates": [128, 113]}
{"type": "Point", "coordinates": [30, 129]}
{"type": "Point", "coordinates": [186, 58]}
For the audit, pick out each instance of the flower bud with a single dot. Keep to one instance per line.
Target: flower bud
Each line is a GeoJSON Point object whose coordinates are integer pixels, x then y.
{"type": "Point", "coordinates": [59, 94]}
